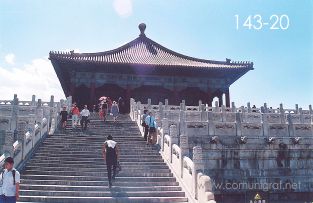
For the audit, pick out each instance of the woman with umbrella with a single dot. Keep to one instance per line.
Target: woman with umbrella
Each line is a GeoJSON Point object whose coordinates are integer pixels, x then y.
{"type": "Point", "coordinates": [101, 113]}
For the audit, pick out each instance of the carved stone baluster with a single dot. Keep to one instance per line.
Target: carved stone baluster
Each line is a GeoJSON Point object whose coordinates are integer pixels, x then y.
{"type": "Point", "coordinates": [21, 131]}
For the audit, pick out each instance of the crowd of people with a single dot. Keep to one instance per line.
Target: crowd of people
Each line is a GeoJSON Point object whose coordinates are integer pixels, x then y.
{"type": "Point", "coordinates": [104, 108]}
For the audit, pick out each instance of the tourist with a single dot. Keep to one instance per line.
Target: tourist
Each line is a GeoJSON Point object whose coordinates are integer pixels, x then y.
{"type": "Point", "coordinates": [114, 110]}
{"type": "Point", "coordinates": [75, 115]}
{"type": "Point", "coordinates": [105, 107]}
{"type": "Point", "coordinates": [152, 126]}
{"type": "Point", "coordinates": [121, 105]}
{"type": "Point", "coordinates": [84, 121]}
{"type": "Point", "coordinates": [95, 108]}
{"type": "Point", "coordinates": [64, 115]}
{"type": "Point", "coordinates": [253, 108]}
{"type": "Point", "coordinates": [144, 125]}
{"type": "Point", "coordinates": [10, 179]}
{"type": "Point", "coordinates": [110, 152]}
{"type": "Point", "coordinates": [110, 103]}
{"type": "Point", "coordinates": [100, 110]}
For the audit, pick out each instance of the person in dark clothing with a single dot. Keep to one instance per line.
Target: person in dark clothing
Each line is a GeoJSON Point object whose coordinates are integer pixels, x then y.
{"type": "Point", "coordinates": [84, 120]}
{"type": "Point", "coordinates": [64, 115]}
{"type": "Point", "coordinates": [110, 153]}
{"type": "Point", "coordinates": [121, 105]}
{"type": "Point", "coordinates": [105, 107]}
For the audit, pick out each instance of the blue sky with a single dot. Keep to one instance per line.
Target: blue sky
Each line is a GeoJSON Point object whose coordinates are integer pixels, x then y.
{"type": "Point", "coordinates": [283, 61]}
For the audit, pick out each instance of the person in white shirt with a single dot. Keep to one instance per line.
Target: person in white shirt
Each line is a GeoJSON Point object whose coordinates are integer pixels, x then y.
{"type": "Point", "coordinates": [10, 182]}
{"type": "Point", "coordinates": [110, 152]}
{"type": "Point", "coordinates": [84, 121]}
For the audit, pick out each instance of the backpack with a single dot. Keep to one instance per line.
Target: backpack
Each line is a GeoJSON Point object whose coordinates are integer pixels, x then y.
{"type": "Point", "coordinates": [109, 150]}
{"type": "Point", "coordinates": [13, 173]}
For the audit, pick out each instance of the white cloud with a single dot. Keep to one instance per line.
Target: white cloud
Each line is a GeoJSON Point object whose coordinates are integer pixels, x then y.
{"type": "Point", "coordinates": [9, 58]}
{"type": "Point", "coordinates": [37, 78]}
{"type": "Point", "coordinates": [124, 8]}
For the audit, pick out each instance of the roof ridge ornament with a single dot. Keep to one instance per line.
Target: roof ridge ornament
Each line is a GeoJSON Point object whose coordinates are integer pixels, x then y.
{"type": "Point", "coordinates": [142, 28]}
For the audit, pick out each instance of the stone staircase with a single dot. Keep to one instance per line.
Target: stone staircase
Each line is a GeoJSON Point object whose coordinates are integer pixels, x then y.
{"type": "Point", "coordinates": [68, 167]}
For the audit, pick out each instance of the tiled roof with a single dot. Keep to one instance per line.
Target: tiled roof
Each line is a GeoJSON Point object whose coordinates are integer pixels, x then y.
{"type": "Point", "coordinates": [143, 50]}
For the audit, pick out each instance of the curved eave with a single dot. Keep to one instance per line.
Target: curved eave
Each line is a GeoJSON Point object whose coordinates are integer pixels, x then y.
{"type": "Point", "coordinates": [230, 66]}
{"type": "Point", "coordinates": [118, 54]}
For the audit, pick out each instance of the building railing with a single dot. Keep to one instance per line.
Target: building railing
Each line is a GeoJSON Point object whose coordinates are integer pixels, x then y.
{"type": "Point", "coordinates": [263, 126]}
{"type": "Point", "coordinates": [26, 124]}
{"type": "Point", "coordinates": [197, 186]}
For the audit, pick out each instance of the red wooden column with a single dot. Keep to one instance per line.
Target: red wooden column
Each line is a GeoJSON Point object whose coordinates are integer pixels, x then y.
{"type": "Point", "coordinates": [72, 90]}
{"type": "Point", "coordinates": [227, 98]}
{"type": "Point", "coordinates": [220, 99]}
{"type": "Point", "coordinates": [92, 94]}
{"type": "Point", "coordinates": [72, 86]}
{"type": "Point", "coordinates": [209, 97]}
{"type": "Point", "coordinates": [175, 96]}
{"type": "Point", "coordinates": [128, 94]}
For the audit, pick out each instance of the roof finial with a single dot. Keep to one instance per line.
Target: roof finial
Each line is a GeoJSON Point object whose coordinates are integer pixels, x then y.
{"type": "Point", "coordinates": [142, 28]}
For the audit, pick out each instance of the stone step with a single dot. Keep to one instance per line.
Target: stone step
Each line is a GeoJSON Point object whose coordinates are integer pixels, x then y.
{"type": "Point", "coordinates": [160, 168]}
{"type": "Point", "coordinates": [113, 199]}
{"type": "Point", "coordinates": [99, 188]}
{"type": "Point", "coordinates": [105, 193]}
{"type": "Point", "coordinates": [97, 150]}
{"type": "Point", "coordinates": [98, 159]}
{"type": "Point", "coordinates": [93, 161]}
{"type": "Point", "coordinates": [119, 183]}
{"type": "Point", "coordinates": [83, 154]}
{"type": "Point", "coordinates": [96, 165]}
{"type": "Point", "coordinates": [95, 178]}
{"type": "Point", "coordinates": [101, 174]}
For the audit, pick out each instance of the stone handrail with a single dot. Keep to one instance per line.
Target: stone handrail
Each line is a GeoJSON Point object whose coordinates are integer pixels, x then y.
{"type": "Point", "coordinates": [30, 129]}
{"type": "Point", "coordinates": [221, 109]}
{"type": "Point", "coordinates": [227, 121]}
{"type": "Point", "coordinates": [197, 187]}
{"type": "Point", "coordinates": [243, 130]}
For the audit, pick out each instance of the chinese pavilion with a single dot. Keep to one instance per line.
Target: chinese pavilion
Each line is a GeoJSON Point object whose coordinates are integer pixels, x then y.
{"type": "Point", "coordinates": [144, 69]}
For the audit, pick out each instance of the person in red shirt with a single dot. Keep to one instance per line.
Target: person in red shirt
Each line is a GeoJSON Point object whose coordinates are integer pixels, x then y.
{"type": "Point", "coordinates": [75, 115]}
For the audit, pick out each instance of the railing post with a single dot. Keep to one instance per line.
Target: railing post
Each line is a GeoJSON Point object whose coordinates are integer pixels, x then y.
{"type": "Point", "coordinates": [166, 104]}
{"type": "Point", "coordinates": [184, 148]}
{"type": "Point", "coordinates": [233, 107]}
{"type": "Point", "coordinates": [39, 117]}
{"type": "Point", "coordinates": [200, 105]}
{"type": "Point", "coordinates": [14, 113]}
{"type": "Point", "coordinates": [8, 149]}
{"type": "Point", "coordinates": [183, 105]}
{"type": "Point", "coordinates": [198, 162]}
{"type": "Point", "coordinates": [33, 103]}
{"type": "Point", "coordinates": [282, 114]}
{"type": "Point", "coordinates": [165, 131]}
{"type": "Point", "coordinates": [21, 129]}
{"type": "Point", "coordinates": [203, 113]}
{"type": "Point", "coordinates": [149, 105]}
{"type": "Point", "coordinates": [249, 107]}
{"type": "Point", "coordinates": [160, 110]}
{"type": "Point", "coordinates": [182, 122]}
{"type": "Point", "coordinates": [174, 138]}
{"type": "Point", "coordinates": [216, 109]}
{"type": "Point", "coordinates": [265, 108]}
